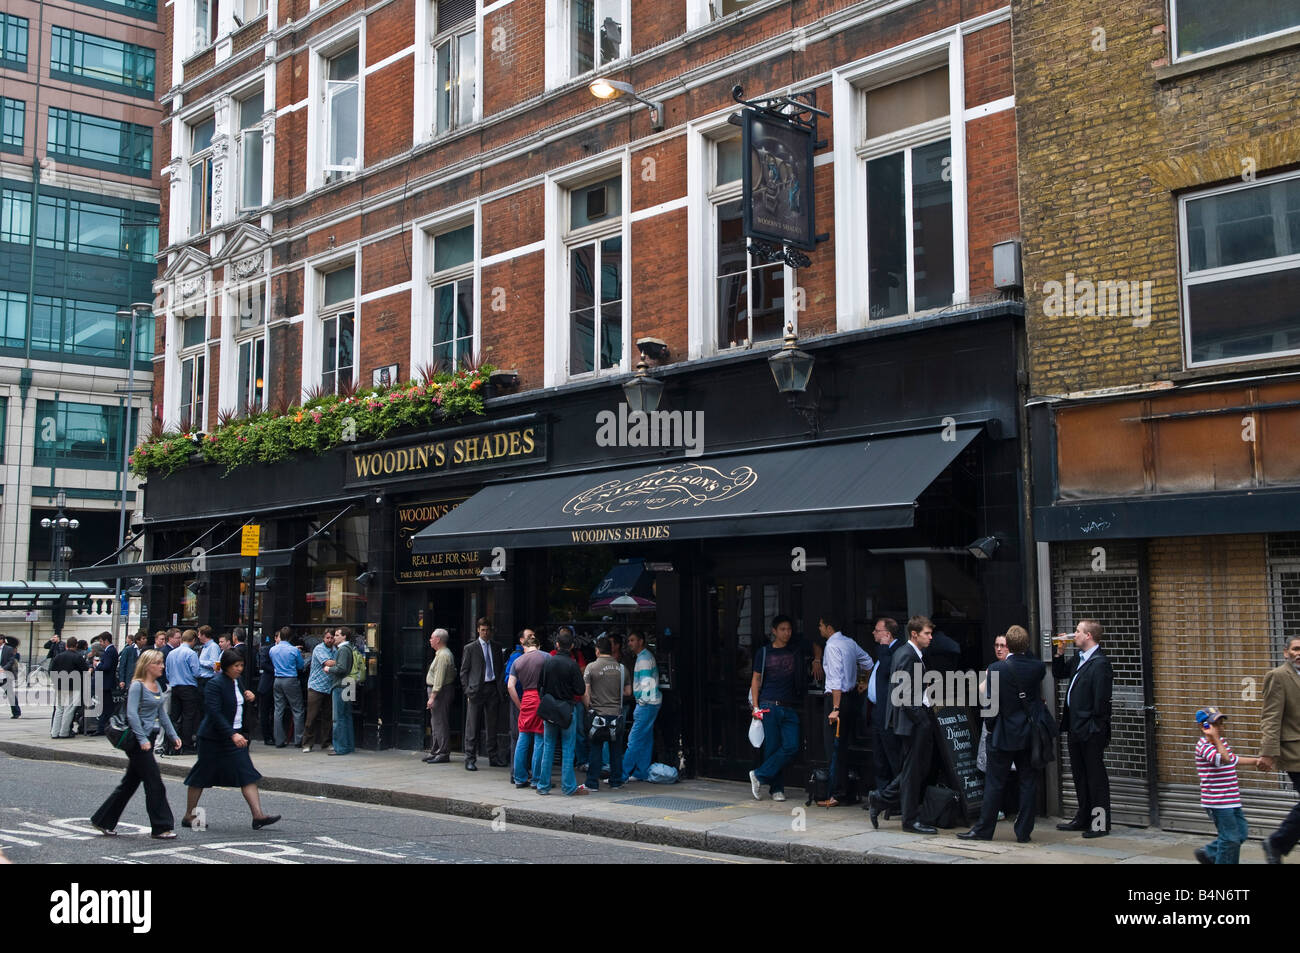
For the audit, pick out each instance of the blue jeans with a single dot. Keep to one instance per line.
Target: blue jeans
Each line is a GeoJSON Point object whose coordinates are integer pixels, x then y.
{"type": "Point", "coordinates": [780, 745]}
{"type": "Point", "coordinates": [615, 750]}
{"type": "Point", "coordinates": [343, 738]}
{"type": "Point", "coordinates": [1233, 830]}
{"type": "Point", "coordinates": [528, 756]}
{"type": "Point", "coordinates": [566, 737]}
{"type": "Point", "coordinates": [640, 743]}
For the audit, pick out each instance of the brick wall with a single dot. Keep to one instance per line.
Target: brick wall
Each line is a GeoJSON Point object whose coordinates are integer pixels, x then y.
{"type": "Point", "coordinates": [1104, 147]}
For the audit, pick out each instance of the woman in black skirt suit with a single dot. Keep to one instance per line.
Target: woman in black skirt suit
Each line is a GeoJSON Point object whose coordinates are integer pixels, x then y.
{"type": "Point", "coordinates": [223, 749]}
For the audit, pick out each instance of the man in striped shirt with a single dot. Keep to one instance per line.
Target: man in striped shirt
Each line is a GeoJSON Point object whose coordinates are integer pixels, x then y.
{"type": "Point", "coordinates": [1220, 796]}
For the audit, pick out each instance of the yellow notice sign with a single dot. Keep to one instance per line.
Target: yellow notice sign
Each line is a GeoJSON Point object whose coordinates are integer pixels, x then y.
{"type": "Point", "coordinates": [250, 543]}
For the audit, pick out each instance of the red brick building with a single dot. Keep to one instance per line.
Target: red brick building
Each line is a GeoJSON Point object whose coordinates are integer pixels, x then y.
{"type": "Point", "coordinates": [356, 186]}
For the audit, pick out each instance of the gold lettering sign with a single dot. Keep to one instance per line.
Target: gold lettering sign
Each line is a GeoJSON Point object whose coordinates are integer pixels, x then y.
{"type": "Point", "coordinates": [168, 568]}
{"type": "Point", "coordinates": [501, 446]}
{"type": "Point", "coordinates": [685, 484]}
{"type": "Point", "coordinates": [622, 534]}
{"type": "Point", "coordinates": [430, 567]}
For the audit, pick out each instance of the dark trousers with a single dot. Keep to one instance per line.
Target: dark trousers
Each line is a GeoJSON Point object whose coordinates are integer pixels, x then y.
{"type": "Point", "coordinates": [481, 708]}
{"type": "Point", "coordinates": [918, 753]}
{"type": "Point", "coordinates": [320, 718]}
{"type": "Point", "coordinates": [141, 768]}
{"type": "Point", "coordinates": [837, 747]}
{"type": "Point", "coordinates": [1091, 783]}
{"type": "Point", "coordinates": [886, 755]}
{"type": "Point", "coordinates": [1288, 835]}
{"type": "Point", "coordinates": [266, 714]}
{"type": "Point", "coordinates": [616, 743]}
{"type": "Point", "coordinates": [185, 712]}
{"type": "Point", "coordinates": [997, 779]}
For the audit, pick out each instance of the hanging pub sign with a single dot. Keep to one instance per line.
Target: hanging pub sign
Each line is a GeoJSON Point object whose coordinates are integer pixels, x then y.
{"type": "Point", "coordinates": [430, 567]}
{"type": "Point", "coordinates": [777, 174]}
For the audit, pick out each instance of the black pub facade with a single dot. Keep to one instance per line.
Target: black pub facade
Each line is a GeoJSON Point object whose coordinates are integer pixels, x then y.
{"type": "Point", "coordinates": [552, 509]}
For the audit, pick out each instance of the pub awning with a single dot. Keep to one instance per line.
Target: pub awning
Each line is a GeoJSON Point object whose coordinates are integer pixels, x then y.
{"type": "Point", "coordinates": [863, 484]}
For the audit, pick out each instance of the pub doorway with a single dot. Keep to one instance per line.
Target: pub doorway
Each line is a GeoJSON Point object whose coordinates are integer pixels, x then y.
{"type": "Point", "coordinates": [739, 607]}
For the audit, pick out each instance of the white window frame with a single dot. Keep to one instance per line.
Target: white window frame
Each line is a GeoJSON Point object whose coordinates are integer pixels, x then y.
{"type": "Point", "coordinates": [242, 136]}
{"type": "Point", "coordinates": [451, 36]}
{"type": "Point", "coordinates": [203, 34]}
{"type": "Point", "coordinates": [424, 234]}
{"type": "Point", "coordinates": [201, 162]}
{"type": "Point", "coordinates": [849, 86]}
{"type": "Point", "coordinates": [559, 240]}
{"type": "Point", "coordinates": [559, 46]}
{"type": "Point", "coordinates": [198, 393]}
{"type": "Point", "coordinates": [247, 12]}
{"type": "Point", "coordinates": [702, 231]}
{"type": "Point", "coordinates": [1213, 275]}
{"type": "Point", "coordinates": [703, 12]}
{"type": "Point", "coordinates": [1173, 39]}
{"type": "Point", "coordinates": [235, 337]}
{"type": "Point", "coordinates": [318, 132]}
{"type": "Point", "coordinates": [314, 312]}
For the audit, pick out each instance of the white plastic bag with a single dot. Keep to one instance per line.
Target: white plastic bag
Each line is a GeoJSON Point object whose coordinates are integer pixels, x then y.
{"type": "Point", "coordinates": [756, 732]}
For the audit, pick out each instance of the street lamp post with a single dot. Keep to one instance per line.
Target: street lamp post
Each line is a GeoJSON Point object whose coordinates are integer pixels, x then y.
{"type": "Point", "coordinates": [127, 441]}
{"type": "Point", "coordinates": [60, 551]}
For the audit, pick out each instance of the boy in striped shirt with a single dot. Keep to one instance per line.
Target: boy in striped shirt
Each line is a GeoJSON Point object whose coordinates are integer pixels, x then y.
{"type": "Point", "coordinates": [1220, 796]}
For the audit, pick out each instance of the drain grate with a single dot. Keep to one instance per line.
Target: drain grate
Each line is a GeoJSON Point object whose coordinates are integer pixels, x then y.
{"type": "Point", "coordinates": [669, 803]}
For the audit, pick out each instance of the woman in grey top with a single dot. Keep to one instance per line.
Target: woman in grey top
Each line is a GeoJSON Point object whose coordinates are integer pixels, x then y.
{"type": "Point", "coordinates": [146, 714]}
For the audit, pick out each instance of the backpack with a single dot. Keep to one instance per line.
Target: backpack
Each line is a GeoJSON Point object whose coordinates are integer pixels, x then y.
{"type": "Point", "coordinates": [819, 786]}
{"type": "Point", "coordinates": [661, 774]}
{"type": "Point", "coordinates": [940, 807]}
{"type": "Point", "coordinates": [358, 670]}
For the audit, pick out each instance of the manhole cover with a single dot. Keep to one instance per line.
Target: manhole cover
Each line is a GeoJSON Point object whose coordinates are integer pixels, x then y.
{"type": "Point", "coordinates": [668, 803]}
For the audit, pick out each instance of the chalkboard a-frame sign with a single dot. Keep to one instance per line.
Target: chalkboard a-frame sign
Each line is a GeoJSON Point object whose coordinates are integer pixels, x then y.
{"type": "Point", "coordinates": [958, 744]}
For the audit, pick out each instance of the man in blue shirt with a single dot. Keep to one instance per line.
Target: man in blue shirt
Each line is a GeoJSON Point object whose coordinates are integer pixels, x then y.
{"type": "Point", "coordinates": [209, 654]}
{"type": "Point", "coordinates": [842, 660]}
{"type": "Point", "coordinates": [287, 661]}
{"type": "Point", "coordinates": [320, 686]}
{"type": "Point", "coordinates": [182, 667]}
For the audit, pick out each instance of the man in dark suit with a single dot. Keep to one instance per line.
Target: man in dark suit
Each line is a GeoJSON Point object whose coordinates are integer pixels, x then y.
{"type": "Point", "coordinates": [482, 668]}
{"type": "Point", "coordinates": [911, 718]}
{"type": "Point", "coordinates": [1015, 683]}
{"type": "Point", "coordinates": [1086, 719]}
{"type": "Point", "coordinates": [886, 752]}
{"type": "Point", "coordinates": [105, 679]}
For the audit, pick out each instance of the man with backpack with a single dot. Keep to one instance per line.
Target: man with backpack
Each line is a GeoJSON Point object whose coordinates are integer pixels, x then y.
{"type": "Point", "coordinates": [608, 683]}
{"type": "Point", "coordinates": [1016, 683]}
{"type": "Point", "coordinates": [776, 689]}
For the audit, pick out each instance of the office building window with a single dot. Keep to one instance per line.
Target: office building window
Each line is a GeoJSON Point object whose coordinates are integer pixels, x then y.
{"type": "Point", "coordinates": [15, 215]}
{"type": "Point", "coordinates": [338, 329]}
{"type": "Point", "coordinates": [13, 319]}
{"type": "Point", "coordinates": [13, 122]}
{"type": "Point", "coordinates": [13, 42]}
{"type": "Point", "coordinates": [83, 139]}
{"type": "Point", "coordinates": [1241, 264]}
{"type": "Point", "coordinates": [89, 228]}
{"type": "Point", "coordinates": [79, 435]}
{"type": "Point", "coordinates": [97, 61]}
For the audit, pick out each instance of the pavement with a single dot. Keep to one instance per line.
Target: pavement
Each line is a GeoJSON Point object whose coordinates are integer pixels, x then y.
{"type": "Point", "coordinates": [707, 815]}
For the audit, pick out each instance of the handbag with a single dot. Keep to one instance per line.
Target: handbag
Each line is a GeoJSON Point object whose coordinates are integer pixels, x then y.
{"type": "Point", "coordinates": [119, 731]}
{"type": "Point", "coordinates": [555, 712]}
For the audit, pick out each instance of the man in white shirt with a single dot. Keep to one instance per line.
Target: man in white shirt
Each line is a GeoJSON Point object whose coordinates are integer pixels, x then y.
{"type": "Point", "coordinates": [842, 660]}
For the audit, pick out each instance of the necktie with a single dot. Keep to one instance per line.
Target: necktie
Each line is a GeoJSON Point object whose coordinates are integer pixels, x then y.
{"type": "Point", "coordinates": [488, 674]}
{"type": "Point", "coordinates": [1075, 679]}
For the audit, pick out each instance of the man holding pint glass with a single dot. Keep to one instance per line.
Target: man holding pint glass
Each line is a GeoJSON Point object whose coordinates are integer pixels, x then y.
{"type": "Point", "coordinates": [1086, 722]}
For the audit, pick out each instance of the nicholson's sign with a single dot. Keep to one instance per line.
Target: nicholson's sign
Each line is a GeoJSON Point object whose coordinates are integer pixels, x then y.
{"type": "Point", "coordinates": [518, 441]}
{"type": "Point", "coordinates": [430, 567]}
{"type": "Point", "coordinates": [778, 180]}
{"type": "Point", "coordinates": [685, 484]}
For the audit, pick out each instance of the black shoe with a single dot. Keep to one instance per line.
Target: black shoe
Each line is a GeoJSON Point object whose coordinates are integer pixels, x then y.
{"type": "Point", "coordinates": [971, 835]}
{"type": "Point", "coordinates": [1201, 856]}
{"type": "Point", "coordinates": [1271, 855]}
{"type": "Point", "coordinates": [1089, 835]}
{"type": "Point", "coordinates": [186, 822]}
{"type": "Point", "coordinates": [430, 760]}
{"type": "Point", "coordinates": [873, 806]}
{"type": "Point", "coordinates": [259, 823]}
{"type": "Point", "coordinates": [471, 766]}
{"type": "Point", "coordinates": [520, 785]}
{"type": "Point", "coordinates": [919, 828]}
{"type": "Point", "coordinates": [440, 759]}
{"type": "Point", "coordinates": [1070, 826]}
{"type": "Point", "coordinates": [283, 745]}
{"type": "Point", "coordinates": [1022, 840]}
{"type": "Point", "coordinates": [497, 764]}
